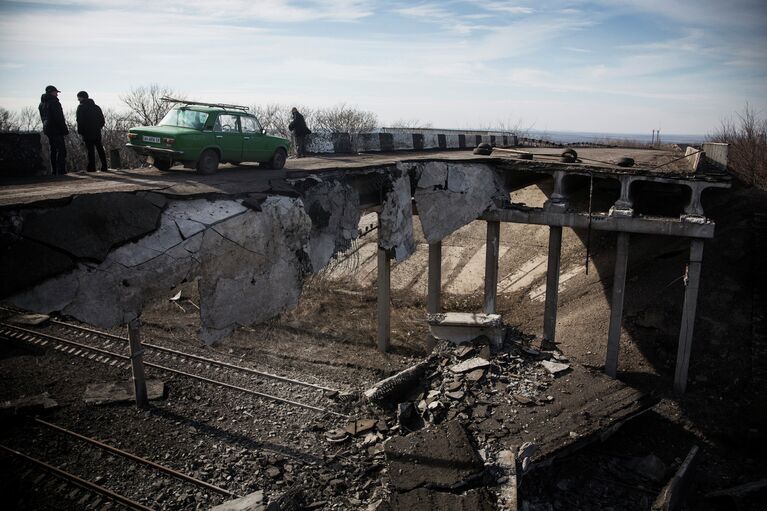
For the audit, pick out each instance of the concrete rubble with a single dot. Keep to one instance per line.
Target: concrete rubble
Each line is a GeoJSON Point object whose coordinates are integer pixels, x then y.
{"type": "Point", "coordinates": [396, 218]}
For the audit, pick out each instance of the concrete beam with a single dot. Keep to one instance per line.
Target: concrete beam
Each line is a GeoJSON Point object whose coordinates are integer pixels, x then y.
{"type": "Point", "coordinates": [435, 278]}
{"type": "Point", "coordinates": [688, 316]}
{"type": "Point", "coordinates": [384, 300]}
{"type": "Point", "coordinates": [604, 222]}
{"type": "Point", "coordinates": [616, 305]}
{"type": "Point", "coordinates": [491, 265]}
{"type": "Point", "coordinates": [552, 283]}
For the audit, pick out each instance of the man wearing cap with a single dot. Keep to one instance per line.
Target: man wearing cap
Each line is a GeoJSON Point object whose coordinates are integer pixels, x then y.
{"type": "Point", "coordinates": [90, 120]}
{"type": "Point", "coordinates": [55, 127]}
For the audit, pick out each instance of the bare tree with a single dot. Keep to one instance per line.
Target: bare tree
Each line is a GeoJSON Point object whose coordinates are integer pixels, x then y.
{"type": "Point", "coordinates": [747, 136]}
{"type": "Point", "coordinates": [29, 119]}
{"type": "Point", "coordinates": [145, 105]}
{"type": "Point", "coordinates": [413, 124]}
{"type": "Point", "coordinates": [8, 120]}
{"type": "Point", "coordinates": [343, 119]}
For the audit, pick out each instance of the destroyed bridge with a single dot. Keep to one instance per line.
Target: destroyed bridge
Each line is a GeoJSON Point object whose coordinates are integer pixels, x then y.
{"type": "Point", "coordinates": [98, 247]}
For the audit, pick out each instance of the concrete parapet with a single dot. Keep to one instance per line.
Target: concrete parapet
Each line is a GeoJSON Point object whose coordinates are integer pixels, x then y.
{"type": "Point", "coordinates": [21, 154]}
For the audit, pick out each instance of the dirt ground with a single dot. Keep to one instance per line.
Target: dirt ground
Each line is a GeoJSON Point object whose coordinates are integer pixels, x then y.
{"type": "Point", "coordinates": [329, 339]}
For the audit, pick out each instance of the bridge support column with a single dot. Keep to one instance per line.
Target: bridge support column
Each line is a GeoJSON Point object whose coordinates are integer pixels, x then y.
{"type": "Point", "coordinates": [688, 316]}
{"type": "Point", "coordinates": [384, 303]}
{"type": "Point", "coordinates": [137, 364]}
{"type": "Point", "coordinates": [616, 306]}
{"type": "Point", "coordinates": [491, 265]}
{"type": "Point", "coordinates": [552, 283]}
{"type": "Point", "coordinates": [435, 278]}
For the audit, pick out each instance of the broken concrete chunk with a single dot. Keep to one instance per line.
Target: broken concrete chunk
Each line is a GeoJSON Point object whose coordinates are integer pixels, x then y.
{"type": "Point", "coordinates": [29, 319]}
{"type": "Point", "coordinates": [397, 385]}
{"type": "Point", "coordinates": [554, 368]}
{"type": "Point", "coordinates": [28, 405]}
{"type": "Point", "coordinates": [476, 375]}
{"type": "Point", "coordinates": [424, 499]}
{"type": "Point", "coordinates": [395, 232]}
{"type": "Point", "coordinates": [449, 196]}
{"type": "Point", "coordinates": [470, 365]}
{"type": "Point", "coordinates": [336, 436]}
{"type": "Point", "coordinates": [251, 502]}
{"type": "Point", "coordinates": [120, 392]}
{"type": "Point", "coordinates": [440, 457]}
{"type": "Point", "coordinates": [360, 426]}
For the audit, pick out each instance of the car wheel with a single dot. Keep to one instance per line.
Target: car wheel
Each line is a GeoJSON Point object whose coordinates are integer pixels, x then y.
{"type": "Point", "coordinates": [163, 164]}
{"type": "Point", "coordinates": [208, 162]}
{"type": "Point", "coordinates": [278, 159]}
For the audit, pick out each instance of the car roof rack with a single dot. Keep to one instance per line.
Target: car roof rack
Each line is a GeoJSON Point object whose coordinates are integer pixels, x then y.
{"type": "Point", "coordinates": [219, 105]}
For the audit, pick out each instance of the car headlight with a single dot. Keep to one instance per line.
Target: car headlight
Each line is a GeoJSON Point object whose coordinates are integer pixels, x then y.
{"type": "Point", "coordinates": [131, 136]}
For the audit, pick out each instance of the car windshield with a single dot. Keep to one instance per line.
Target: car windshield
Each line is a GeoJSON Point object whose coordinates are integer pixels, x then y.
{"type": "Point", "coordinates": [184, 118]}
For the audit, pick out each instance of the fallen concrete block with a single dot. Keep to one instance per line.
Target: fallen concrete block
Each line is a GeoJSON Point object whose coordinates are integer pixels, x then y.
{"type": "Point", "coordinates": [554, 368]}
{"type": "Point", "coordinates": [251, 502]}
{"type": "Point", "coordinates": [673, 494]}
{"type": "Point", "coordinates": [394, 386]}
{"type": "Point", "coordinates": [27, 405]}
{"type": "Point", "coordinates": [120, 392]}
{"type": "Point", "coordinates": [439, 457]}
{"type": "Point", "coordinates": [29, 319]}
{"type": "Point", "coordinates": [462, 327]}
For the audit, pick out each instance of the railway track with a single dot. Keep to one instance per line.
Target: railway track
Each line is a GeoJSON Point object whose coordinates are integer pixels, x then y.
{"type": "Point", "coordinates": [113, 350]}
{"type": "Point", "coordinates": [50, 480]}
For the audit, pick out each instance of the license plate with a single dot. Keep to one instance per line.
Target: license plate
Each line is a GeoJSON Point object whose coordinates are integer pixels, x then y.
{"type": "Point", "coordinates": [154, 140]}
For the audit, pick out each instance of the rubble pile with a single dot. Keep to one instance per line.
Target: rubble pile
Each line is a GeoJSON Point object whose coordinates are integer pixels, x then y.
{"type": "Point", "coordinates": [439, 432]}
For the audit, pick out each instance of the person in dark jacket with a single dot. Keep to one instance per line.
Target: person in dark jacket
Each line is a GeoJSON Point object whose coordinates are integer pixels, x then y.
{"type": "Point", "coordinates": [90, 120]}
{"type": "Point", "coordinates": [300, 130]}
{"type": "Point", "coordinates": [55, 127]}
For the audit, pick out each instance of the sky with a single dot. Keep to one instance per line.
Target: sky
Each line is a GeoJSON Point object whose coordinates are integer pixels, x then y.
{"type": "Point", "coordinates": [608, 66]}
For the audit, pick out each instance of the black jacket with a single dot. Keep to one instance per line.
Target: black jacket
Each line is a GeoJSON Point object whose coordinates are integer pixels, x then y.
{"type": "Point", "coordinates": [298, 125]}
{"type": "Point", "coordinates": [90, 119]}
{"type": "Point", "coordinates": [52, 116]}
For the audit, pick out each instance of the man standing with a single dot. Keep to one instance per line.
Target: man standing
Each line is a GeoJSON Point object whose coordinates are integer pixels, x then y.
{"type": "Point", "coordinates": [90, 120]}
{"type": "Point", "coordinates": [300, 130]}
{"type": "Point", "coordinates": [55, 127]}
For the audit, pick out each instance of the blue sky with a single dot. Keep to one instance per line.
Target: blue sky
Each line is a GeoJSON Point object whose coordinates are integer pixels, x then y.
{"type": "Point", "coordinates": [603, 66]}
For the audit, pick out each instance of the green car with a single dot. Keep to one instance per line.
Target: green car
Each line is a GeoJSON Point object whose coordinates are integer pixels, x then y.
{"type": "Point", "coordinates": [202, 135]}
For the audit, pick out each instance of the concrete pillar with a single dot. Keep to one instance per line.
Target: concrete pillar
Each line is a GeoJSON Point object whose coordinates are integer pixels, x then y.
{"type": "Point", "coordinates": [384, 308]}
{"type": "Point", "coordinates": [616, 307]}
{"type": "Point", "coordinates": [688, 316]}
{"type": "Point", "coordinates": [491, 265]}
{"type": "Point", "coordinates": [552, 283]}
{"type": "Point", "coordinates": [435, 278]}
{"type": "Point", "coordinates": [137, 365]}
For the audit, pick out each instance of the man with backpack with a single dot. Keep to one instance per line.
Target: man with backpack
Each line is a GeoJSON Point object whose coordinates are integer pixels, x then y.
{"type": "Point", "coordinates": [90, 120]}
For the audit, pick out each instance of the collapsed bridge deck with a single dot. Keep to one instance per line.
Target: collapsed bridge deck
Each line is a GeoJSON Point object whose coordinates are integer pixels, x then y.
{"type": "Point", "coordinates": [98, 247]}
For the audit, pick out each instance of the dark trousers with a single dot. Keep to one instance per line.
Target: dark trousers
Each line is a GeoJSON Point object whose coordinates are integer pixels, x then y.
{"type": "Point", "coordinates": [92, 143]}
{"type": "Point", "coordinates": [58, 155]}
{"type": "Point", "coordinates": [300, 145]}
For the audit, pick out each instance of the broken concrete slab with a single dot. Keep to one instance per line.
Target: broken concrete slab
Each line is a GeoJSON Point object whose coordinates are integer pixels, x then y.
{"type": "Point", "coordinates": [334, 210]}
{"type": "Point", "coordinates": [28, 405]}
{"type": "Point", "coordinates": [120, 392]}
{"type": "Point", "coordinates": [25, 262]}
{"type": "Point", "coordinates": [251, 502]}
{"type": "Point", "coordinates": [462, 327]}
{"type": "Point", "coordinates": [439, 457]}
{"type": "Point", "coordinates": [423, 498]}
{"type": "Point", "coordinates": [395, 230]}
{"type": "Point", "coordinates": [449, 196]}
{"type": "Point", "coordinates": [554, 368]}
{"type": "Point", "coordinates": [470, 365]}
{"type": "Point", "coordinates": [91, 225]}
{"type": "Point", "coordinates": [672, 495]}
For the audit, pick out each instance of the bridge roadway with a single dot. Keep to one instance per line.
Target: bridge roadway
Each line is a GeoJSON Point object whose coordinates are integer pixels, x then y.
{"type": "Point", "coordinates": [246, 178]}
{"type": "Point", "coordinates": [96, 246]}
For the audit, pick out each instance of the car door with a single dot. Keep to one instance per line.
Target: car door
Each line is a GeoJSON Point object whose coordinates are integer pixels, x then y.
{"type": "Point", "coordinates": [228, 137]}
{"type": "Point", "coordinates": [255, 146]}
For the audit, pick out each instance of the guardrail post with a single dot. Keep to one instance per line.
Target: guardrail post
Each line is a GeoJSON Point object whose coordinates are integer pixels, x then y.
{"type": "Point", "coordinates": [137, 365]}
